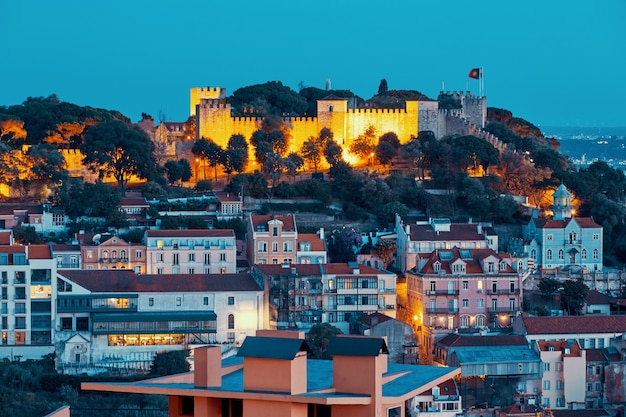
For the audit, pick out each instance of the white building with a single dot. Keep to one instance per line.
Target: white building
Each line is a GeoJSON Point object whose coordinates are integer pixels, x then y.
{"type": "Point", "coordinates": [117, 318]}
{"type": "Point", "coordinates": [191, 251]}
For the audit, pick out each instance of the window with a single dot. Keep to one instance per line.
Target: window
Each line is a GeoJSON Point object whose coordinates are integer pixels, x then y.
{"type": "Point", "coordinates": [175, 259]}
{"type": "Point", "coordinates": [589, 387]}
{"type": "Point", "coordinates": [465, 321]}
{"type": "Point", "coordinates": [546, 367]}
{"type": "Point", "coordinates": [494, 286]}
{"type": "Point", "coordinates": [66, 323]}
{"type": "Point", "coordinates": [138, 254]}
{"type": "Point", "coordinates": [596, 236]}
{"type": "Point", "coordinates": [502, 266]}
{"type": "Point", "coordinates": [205, 301]}
{"type": "Point", "coordinates": [274, 230]}
{"type": "Point", "coordinates": [275, 261]}
{"type": "Point", "coordinates": [262, 247]}
{"type": "Point", "coordinates": [491, 267]}
{"type": "Point", "coordinates": [533, 254]}
{"type": "Point", "coordinates": [231, 321]}
{"type": "Point", "coordinates": [433, 285]}
{"type": "Point", "coordinates": [179, 301]}
{"type": "Point", "coordinates": [583, 254]}
{"type": "Point", "coordinates": [481, 302]}
{"type": "Point", "coordinates": [596, 254]}
{"type": "Point", "coordinates": [546, 385]}
{"type": "Point", "coordinates": [159, 257]}
{"type": "Point", "coordinates": [274, 247]}
{"type": "Point", "coordinates": [549, 236]}
{"type": "Point", "coordinates": [598, 370]}
{"type": "Point", "coordinates": [436, 266]}
{"type": "Point", "coordinates": [191, 257]}
{"type": "Point", "coordinates": [559, 384]}
{"type": "Point", "coordinates": [465, 285]}
{"type": "Point", "coordinates": [599, 386]}
{"type": "Point", "coordinates": [560, 402]}
{"type": "Point", "coordinates": [191, 271]}
{"type": "Point", "coordinates": [465, 303]}
{"type": "Point", "coordinates": [231, 301]}
{"type": "Point", "coordinates": [549, 254]}
{"type": "Point", "coordinates": [223, 256]}
{"type": "Point", "coordinates": [480, 320]}
{"type": "Point", "coordinates": [207, 258]}
{"type": "Point", "coordinates": [20, 322]}
{"type": "Point", "coordinates": [159, 271]}
{"type": "Point", "coordinates": [561, 254]}
{"type": "Point", "coordinates": [151, 301]}
{"type": "Point", "coordinates": [231, 337]}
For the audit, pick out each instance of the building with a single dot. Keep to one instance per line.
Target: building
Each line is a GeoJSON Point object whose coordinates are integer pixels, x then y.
{"type": "Point", "coordinates": [301, 295]}
{"type": "Point", "coordinates": [493, 367]}
{"type": "Point", "coordinates": [120, 319]}
{"type": "Point", "coordinates": [564, 367]}
{"type": "Point", "coordinates": [107, 251]}
{"type": "Point", "coordinates": [27, 293]}
{"type": "Point", "coordinates": [357, 382]}
{"type": "Point", "coordinates": [68, 256]}
{"type": "Point", "coordinates": [199, 251]}
{"type": "Point", "coordinates": [416, 241]}
{"type": "Point", "coordinates": [272, 239]}
{"type": "Point", "coordinates": [230, 205]}
{"type": "Point", "coordinates": [462, 289]}
{"type": "Point", "coordinates": [42, 217]}
{"type": "Point", "coordinates": [443, 400]}
{"type": "Point", "coordinates": [562, 241]}
{"type": "Point", "coordinates": [311, 248]}
{"type": "Point", "coordinates": [399, 335]}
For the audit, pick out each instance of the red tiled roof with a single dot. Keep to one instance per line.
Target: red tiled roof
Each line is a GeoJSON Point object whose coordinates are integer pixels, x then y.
{"type": "Point", "coordinates": [375, 318]}
{"type": "Point", "coordinates": [191, 233]}
{"type": "Point", "coordinates": [584, 222]}
{"type": "Point", "coordinates": [263, 219]}
{"type": "Point", "coordinates": [445, 388]}
{"type": "Point", "coordinates": [39, 252]}
{"type": "Point", "coordinates": [127, 281]}
{"type": "Point", "coordinates": [319, 269]}
{"type": "Point", "coordinates": [61, 247]}
{"type": "Point", "coordinates": [5, 237]}
{"type": "Point", "coordinates": [472, 265]}
{"type": "Point", "coordinates": [558, 345]}
{"type": "Point", "coordinates": [317, 244]}
{"type": "Point", "coordinates": [457, 232]}
{"type": "Point", "coordinates": [596, 297]}
{"type": "Point", "coordinates": [227, 197]}
{"type": "Point", "coordinates": [574, 324]}
{"type": "Point", "coordinates": [133, 201]}
{"type": "Point", "coordinates": [457, 340]}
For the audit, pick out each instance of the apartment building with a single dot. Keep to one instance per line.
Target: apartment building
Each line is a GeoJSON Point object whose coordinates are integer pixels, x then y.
{"type": "Point", "coordinates": [197, 251]}
{"type": "Point", "coordinates": [120, 319]}
{"type": "Point", "coordinates": [27, 293]}
{"type": "Point", "coordinates": [272, 239]}
{"type": "Point", "coordinates": [107, 251]}
{"type": "Point", "coordinates": [339, 293]}
{"type": "Point", "coordinates": [563, 382]}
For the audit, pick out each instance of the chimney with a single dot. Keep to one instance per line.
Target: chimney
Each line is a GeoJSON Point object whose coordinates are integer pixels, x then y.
{"type": "Point", "coordinates": [207, 367]}
{"type": "Point", "coordinates": [322, 233]}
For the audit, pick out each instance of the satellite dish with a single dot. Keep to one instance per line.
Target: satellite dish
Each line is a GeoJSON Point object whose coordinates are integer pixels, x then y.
{"type": "Point", "coordinates": [96, 238]}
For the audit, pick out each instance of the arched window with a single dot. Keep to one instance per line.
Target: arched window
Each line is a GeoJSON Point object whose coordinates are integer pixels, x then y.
{"type": "Point", "coordinates": [572, 237]}
{"type": "Point", "coordinates": [520, 265]}
{"type": "Point", "coordinates": [465, 321]}
{"type": "Point", "coordinates": [123, 254]}
{"type": "Point", "coordinates": [105, 254]}
{"type": "Point", "coordinates": [533, 254]}
{"type": "Point", "coordinates": [480, 320]}
{"type": "Point", "coordinates": [583, 254]}
{"type": "Point", "coordinates": [231, 321]}
{"type": "Point", "coordinates": [114, 254]}
{"type": "Point", "coordinates": [596, 254]}
{"type": "Point", "coordinates": [560, 253]}
{"type": "Point", "coordinates": [549, 254]}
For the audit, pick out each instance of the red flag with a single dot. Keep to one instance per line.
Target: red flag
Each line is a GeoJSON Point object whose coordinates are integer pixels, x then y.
{"type": "Point", "coordinates": [475, 73]}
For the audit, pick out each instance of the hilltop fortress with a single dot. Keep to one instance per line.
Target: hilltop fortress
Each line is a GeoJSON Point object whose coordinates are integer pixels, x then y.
{"type": "Point", "coordinates": [214, 119]}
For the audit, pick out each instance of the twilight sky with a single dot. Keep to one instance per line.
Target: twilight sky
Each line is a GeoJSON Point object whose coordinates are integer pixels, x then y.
{"type": "Point", "coordinates": [559, 62]}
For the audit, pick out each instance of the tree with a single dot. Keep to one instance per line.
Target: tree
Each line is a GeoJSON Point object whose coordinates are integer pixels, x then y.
{"type": "Point", "coordinates": [342, 245]}
{"type": "Point", "coordinates": [363, 146]}
{"type": "Point", "coordinates": [208, 150]}
{"type": "Point", "coordinates": [332, 152]}
{"type": "Point", "coordinates": [319, 337]}
{"type": "Point", "coordinates": [170, 363]}
{"type": "Point", "coordinates": [382, 87]}
{"type": "Point", "coordinates": [173, 171]}
{"type": "Point", "coordinates": [271, 98]}
{"type": "Point", "coordinates": [312, 152]}
{"type": "Point", "coordinates": [293, 163]}
{"type": "Point", "coordinates": [385, 249]}
{"type": "Point", "coordinates": [574, 296]}
{"type": "Point", "coordinates": [117, 149]}
{"type": "Point", "coordinates": [11, 130]}
{"type": "Point", "coordinates": [385, 152]}
{"type": "Point", "coordinates": [237, 150]}
{"type": "Point", "coordinates": [391, 138]}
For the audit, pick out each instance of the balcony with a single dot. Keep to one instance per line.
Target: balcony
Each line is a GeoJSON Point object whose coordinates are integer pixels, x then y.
{"type": "Point", "coordinates": [573, 242]}
{"type": "Point", "coordinates": [502, 309]}
{"type": "Point", "coordinates": [503, 292]}
{"type": "Point", "coordinates": [442, 292]}
{"type": "Point", "coordinates": [386, 290]}
{"type": "Point", "coordinates": [444, 310]}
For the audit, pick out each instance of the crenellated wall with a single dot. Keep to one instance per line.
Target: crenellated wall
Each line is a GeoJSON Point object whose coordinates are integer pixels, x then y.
{"type": "Point", "coordinates": [204, 93]}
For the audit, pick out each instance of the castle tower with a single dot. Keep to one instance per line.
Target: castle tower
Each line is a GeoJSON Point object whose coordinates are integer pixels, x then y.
{"type": "Point", "coordinates": [561, 203]}
{"type": "Point", "coordinates": [197, 94]}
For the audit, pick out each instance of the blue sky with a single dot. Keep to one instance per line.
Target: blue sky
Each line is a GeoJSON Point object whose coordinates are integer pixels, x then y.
{"type": "Point", "coordinates": [551, 62]}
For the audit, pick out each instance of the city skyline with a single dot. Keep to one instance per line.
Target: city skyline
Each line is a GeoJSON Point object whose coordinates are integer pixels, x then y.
{"type": "Point", "coordinates": [551, 64]}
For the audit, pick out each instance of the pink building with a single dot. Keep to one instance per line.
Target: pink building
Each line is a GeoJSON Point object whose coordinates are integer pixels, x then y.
{"type": "Point", "coordinates": [272, 239]}
{"type": "Point", "coordinates": [462, 288]}
{"type": "Point", "coordinates": [107, 251]}
{"type": "Point", "coordinates": [272, 376]}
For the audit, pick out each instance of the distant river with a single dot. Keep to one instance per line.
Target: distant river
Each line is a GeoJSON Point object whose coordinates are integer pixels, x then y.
{"type": "Point", "coordinates": [584, 145]}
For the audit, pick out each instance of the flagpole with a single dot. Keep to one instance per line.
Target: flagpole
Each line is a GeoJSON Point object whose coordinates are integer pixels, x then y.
{"type": "Point", "coordinates": [482, 96]}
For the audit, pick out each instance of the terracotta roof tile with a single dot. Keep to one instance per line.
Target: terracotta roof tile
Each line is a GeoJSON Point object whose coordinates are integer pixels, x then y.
{"type": "Point", "coordinates": [317, 244]}
{"type": "Point", "coordinates": [263, 219]}
{"type": "Point", "coordinates": [5, 237]}
{"type": "Point", "coordinates": [574, 324]}
{"type": "Point", "coordinates": [558, 345]}
{"type": "Point", "coordinates": [128, 281]}
{"type": "Point", "coordinates": [39, 252]}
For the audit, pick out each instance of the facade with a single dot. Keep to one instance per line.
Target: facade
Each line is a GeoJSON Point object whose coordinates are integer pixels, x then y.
{"type": "Point", "coordinates": [120, 319]}
{"type": "Point", "coordinates": [302, 295]}
{"type": "Point", "coordinates": [563, 382]}
{"type": "Point", "coordinates": [230, 205]}
{"type": "Point", "coordinates": [462, 289]}
{"type": "Point", "coordinates": [357, 382]}
{"type": "Point", "coordinates": [311, 248]}
{"type": "Point", "coordinates": [562, 241]}
{"type": "Point", "coordinates": [27, 293]}
{"type": "Point", "coordinates": [107, 251]}
{"type": "Point", "coordinates": [68, 256]}
{"type": "Point", "coordinates": [417, 241]}
{"type": "Point", "coordinates": [272, 239]}
{"type": "Point", "coordinates": [443, 400]}
{"type": "Point", "coordinates": [191, 251]}
{"type": "Point", "coordinates": [43, 217]}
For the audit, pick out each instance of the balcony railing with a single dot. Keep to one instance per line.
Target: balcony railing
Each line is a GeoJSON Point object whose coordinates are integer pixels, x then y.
{"type": "Point", "coordinates": [503, 292]}
{"type": "Point", "coordinates": [444, 310]}
{"type": "Point", "coordinates": [442, 292]}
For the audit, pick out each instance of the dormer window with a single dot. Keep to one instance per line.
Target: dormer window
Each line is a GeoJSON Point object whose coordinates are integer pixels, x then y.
{"type": "Point", "coordinates": [502, 266]}
{"type": "Point", "coordinates": [436, 266]}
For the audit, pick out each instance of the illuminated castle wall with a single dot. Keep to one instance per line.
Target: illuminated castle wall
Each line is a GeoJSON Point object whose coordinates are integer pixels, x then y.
{"type": "Point", "coordinates": [214, 120]}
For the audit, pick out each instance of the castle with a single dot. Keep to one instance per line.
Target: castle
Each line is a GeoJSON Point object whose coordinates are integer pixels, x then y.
{"type": "Point", "coordinates": [346, 121]}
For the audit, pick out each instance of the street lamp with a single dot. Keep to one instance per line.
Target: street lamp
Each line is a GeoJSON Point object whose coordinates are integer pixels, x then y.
{"type": "Point", "coordinates": [197, 167]}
